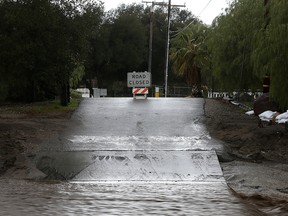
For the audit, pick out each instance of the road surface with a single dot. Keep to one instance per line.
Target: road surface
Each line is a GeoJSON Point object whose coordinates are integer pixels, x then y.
{"type": "Point", "coordinates": [122, 156]}
{"type": "Point", "coordinates": [127, 139]}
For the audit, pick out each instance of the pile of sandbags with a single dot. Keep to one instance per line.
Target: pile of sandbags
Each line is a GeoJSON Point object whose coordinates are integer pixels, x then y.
{"type": "Point", "coordinates": [273, 116]}
{"type": "Point", "coordinates": [267, 115]}
{"type": "Point", "coordinates": [282, 118]}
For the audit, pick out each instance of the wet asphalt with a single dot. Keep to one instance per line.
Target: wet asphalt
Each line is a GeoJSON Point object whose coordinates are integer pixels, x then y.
{"type": "Point", "coordinates": [126, 139]}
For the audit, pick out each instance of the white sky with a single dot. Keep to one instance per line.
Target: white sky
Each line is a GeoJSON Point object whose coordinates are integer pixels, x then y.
{"type": "Point", "coordinates": [195, 6]}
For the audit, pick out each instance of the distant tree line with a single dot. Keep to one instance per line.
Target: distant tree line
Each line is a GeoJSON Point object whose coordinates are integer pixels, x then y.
{"type": "Point", "coordinates": [248, 41]}
{"type": "Point", "coordinates": [243, 44]}
{"type": "Point", "coordinates": [49, 46]}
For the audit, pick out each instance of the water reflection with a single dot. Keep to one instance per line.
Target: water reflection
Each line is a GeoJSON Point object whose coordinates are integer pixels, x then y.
{"type": "Point", "coordinates": [114, 198]}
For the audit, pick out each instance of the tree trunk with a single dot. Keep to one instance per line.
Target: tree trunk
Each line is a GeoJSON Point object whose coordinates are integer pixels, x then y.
{"type": "Point", "coordinates": [64, 95]}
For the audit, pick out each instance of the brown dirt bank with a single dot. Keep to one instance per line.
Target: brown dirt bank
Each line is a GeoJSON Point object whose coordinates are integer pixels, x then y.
{"type": "Point", "coordinates": [242, 136]}
{"type": "Point", "coordinates": [20, 139]}
{"type": "Point", "coordinates": [257, 170]}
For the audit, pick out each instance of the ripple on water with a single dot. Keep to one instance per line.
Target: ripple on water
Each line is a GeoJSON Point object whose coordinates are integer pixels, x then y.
{"type": "Point", "coordinates": [114, 198]}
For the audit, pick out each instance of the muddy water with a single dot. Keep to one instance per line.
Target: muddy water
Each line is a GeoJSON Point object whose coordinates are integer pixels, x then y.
{"type": "Point", "coordinates": [19, 197]}
{"type": "Point", "coordinates": [151, 121]}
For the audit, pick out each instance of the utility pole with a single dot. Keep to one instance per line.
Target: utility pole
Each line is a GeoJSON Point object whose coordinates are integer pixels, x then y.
{"type": "Point", "coordinates": [167, 40]}
{"type": "Point", "coordinates": [151, 34]}
{"type": "Point", "coordinates": [151, 38]}
{"type": "Point", "coordinates": [153, 3]}
{"type": "Point", "coordinates": [167, 46]}
{"type": "Point", "coordinates": [167, 50]}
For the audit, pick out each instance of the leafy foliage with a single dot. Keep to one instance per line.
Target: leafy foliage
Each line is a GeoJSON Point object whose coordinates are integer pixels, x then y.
{"type": "Point", "coordinates": [230, 42]}
{"type": "Point", "coordinates": [46, 46]}
{"type": "Point", "coordinates": [128, 44]}
{"type": "Point", "coordinates": [41, 44]}
{"type": "Point", "coordinates": [270, 54]}
{"type": "Point", "coordinates": [188, 53]}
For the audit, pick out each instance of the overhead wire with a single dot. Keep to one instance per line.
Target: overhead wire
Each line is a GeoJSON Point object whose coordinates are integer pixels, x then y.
{"type": "Point", "coordinates": [204, 8]}
{"type": "Point", "coordinates": [194, 19]}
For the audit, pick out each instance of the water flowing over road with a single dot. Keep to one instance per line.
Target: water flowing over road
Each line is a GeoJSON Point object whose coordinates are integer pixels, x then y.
{"type": "Point", "coordinates": [122, 156]}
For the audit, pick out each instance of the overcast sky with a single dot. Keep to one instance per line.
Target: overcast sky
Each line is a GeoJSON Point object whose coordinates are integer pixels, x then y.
{"type": "Point", "coordinates": [214, 8]}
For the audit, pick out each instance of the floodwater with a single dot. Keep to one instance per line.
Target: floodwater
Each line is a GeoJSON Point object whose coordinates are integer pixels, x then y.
{"type": "Point", "coordinates": [19, 197]}
{"type": "Point", "coordinates": [127, 157]}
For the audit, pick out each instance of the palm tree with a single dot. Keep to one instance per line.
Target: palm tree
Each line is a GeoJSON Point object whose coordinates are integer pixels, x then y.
{"type": "Point", "coordinates": [188, 54]}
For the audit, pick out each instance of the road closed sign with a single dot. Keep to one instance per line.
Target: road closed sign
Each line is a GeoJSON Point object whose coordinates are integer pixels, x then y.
{"type": "Point", "coordinates": [139, 79]}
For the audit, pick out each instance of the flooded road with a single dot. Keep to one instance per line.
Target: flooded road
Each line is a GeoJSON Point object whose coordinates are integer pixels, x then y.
{"type": "Point", "coordinates": [113, 198]}
{"type": "Point", "coordinates": [127, 157]}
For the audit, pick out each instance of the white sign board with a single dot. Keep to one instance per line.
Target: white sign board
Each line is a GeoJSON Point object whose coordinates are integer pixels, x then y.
{"type": "Point", "coordinates": [139, 79]}
{"type": "Point", "coordinates": [103, 92]}
{"type": "Point", "coordinates": [99, 92]}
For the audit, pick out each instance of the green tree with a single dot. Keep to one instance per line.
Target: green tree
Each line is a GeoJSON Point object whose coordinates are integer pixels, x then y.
{"type": "Point", "coordinates": [127, 42]}
{"type": "Point", "coordinates": [41, 44]}
{"type": "Point", "coordinates": [189, 53]}
{"type": "Point", "coordinates": [230, 43]}
{"type": "Point", "coordinates": [142, 15]}
{"type": "Point", "coordinates": [94, 43]}
{"type": "Point", "coordinates": [270, 51]}
{"type": "Point", "coordinates": [28, 48]}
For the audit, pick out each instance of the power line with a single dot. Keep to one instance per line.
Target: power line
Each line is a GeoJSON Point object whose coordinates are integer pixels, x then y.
{"type": "Point", "coordinates": [204, 8]}
{"type": "Point", "coordinates": [183, 29]}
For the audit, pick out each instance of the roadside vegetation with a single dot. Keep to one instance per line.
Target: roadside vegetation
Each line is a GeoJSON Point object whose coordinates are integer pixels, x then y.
{"type": "Point", "coordinates": [45, 108]}
{"type": "Point", "coordinates": [48, 47]}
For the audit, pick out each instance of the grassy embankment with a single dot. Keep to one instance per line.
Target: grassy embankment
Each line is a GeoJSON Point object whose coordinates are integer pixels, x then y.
{"type": "Point", "coordinates": [45, 107]}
